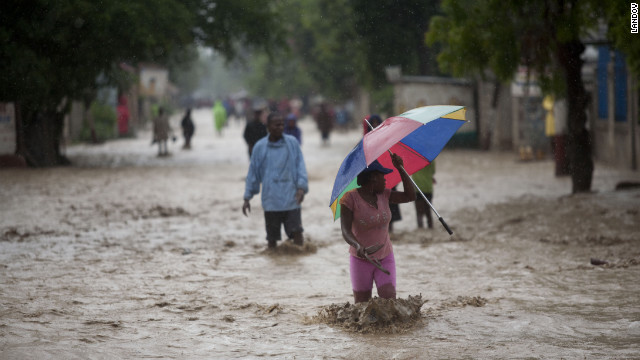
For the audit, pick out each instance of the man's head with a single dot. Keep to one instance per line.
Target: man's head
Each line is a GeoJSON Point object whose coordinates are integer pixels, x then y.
{"type": "Point", "coordinates": [275, 126]}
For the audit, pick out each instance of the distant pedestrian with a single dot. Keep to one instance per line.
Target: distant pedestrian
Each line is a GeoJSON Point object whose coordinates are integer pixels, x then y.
{"type": "Point", "coordinates": [291, 127]}
{"type": "Point", "coordinates": [123, 116]}
{"type": "Point", "coordinates": [425, 180]}
{"type": "Point", "coordinates": [219, 116]}
{"type": "Point", "coordinates": [277, 163]}
{"type": "Point", "coordinates": [255, 130]}
{"type": "Point", "coordinates": [188, 128]}
{"type": "Point", "coordinates": [324, 120]}
{"type": "Point", "coordinates": [161, 131]}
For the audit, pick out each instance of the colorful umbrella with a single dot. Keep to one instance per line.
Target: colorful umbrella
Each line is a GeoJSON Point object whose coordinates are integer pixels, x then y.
{"type": "Point", "coordinates": [417, 135]}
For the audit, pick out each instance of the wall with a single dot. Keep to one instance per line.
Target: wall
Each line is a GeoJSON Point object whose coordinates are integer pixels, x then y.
{"type": "Point", "coordinates": [496, 130]}
{"type": "Point", "coordinates": [416, 91]}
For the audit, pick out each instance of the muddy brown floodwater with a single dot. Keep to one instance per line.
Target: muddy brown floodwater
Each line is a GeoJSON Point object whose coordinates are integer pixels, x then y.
{"type": "Point", "coordinates": [126, 255]}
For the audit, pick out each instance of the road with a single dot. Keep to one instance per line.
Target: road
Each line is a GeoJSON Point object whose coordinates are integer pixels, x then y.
{"type": "Point", "coordinates": [127, 255]}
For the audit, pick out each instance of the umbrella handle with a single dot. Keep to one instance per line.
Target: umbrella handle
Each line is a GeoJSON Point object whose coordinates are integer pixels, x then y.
{"type": "Point", "coordinates": [445, 226]}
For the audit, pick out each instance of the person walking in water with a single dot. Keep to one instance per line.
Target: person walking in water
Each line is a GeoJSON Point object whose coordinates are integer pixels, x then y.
{"type": "Point", "coordinates": [219, 116]}
{"type": "Point", "coordinates": [324, 120]}
{"type": "Point", "coordinates": [255, 130]}
{"type": "Point", "coordinates": [364, 219]}
{"type": "Point", "coordinates": [188, 128]}
{"type": "Point", "coordinates": [161, 131]}
{"type": "Point", "coordinates": [277, 163]}
{"type": "Point", "coordinates": [425, 180]}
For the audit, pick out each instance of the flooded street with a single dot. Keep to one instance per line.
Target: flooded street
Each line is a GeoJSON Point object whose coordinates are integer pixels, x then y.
{"type": "Point", "coordinates": [128, 255]}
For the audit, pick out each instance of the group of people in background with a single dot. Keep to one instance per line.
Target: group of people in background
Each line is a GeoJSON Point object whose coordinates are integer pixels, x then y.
{"type": "Point", "coordinates": [278, 172]}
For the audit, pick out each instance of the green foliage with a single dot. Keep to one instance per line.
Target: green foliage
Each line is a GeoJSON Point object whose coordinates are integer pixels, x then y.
{"type": "Point", "coordinates": [391, 32]}
{"type": "Point", "coordinates": [56, 49]}
{"type": "Point", "coordinates": [338, 46]}
{"type": "Point", "coordinates": [51, 51]}
{"type": "Point", "coordinates": [321, 56]}
{"type": "Point", "coordinates": [476, 35]}
{"type": "Point", "coordinates": [499, 35]}
{"type": "Point", "coordinates": [382, 100]}
{"type": "Point", "coordinates": [186, 69]}
{"type": "Point", "coordinates": [279, 78]}
{"type": "Point", "coordinates": [104, 122]}
{"type": "Point", "coordinates": [618, 15]}
{"type": "Point", "coordinates": [225, 24]}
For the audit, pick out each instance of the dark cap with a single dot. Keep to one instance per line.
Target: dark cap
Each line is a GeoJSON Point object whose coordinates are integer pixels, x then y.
{"type": "Point", "coordinates": [376, 166]}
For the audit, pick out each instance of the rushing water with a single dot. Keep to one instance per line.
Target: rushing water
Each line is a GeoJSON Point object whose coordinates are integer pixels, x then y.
{"type": "Point", "coordinates": [128, 255]}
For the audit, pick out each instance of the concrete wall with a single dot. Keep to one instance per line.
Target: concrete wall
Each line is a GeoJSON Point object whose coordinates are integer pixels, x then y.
{"type": "Point", "coordinates": [412, 92]}
{"type": "Point", "coordinates": [154, 81]}
{"type": "Point", "coordinates": [496, 130]}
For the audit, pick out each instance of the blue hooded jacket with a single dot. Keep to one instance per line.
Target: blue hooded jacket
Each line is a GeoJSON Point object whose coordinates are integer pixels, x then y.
{"type": "Point", "coordinates": [279, 166]}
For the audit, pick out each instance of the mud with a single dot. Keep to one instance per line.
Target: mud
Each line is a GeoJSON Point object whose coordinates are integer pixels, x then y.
{"type": "Point", "coordinates": [288, 248]}
{"type": "Point", "coordinates": [377, 316]}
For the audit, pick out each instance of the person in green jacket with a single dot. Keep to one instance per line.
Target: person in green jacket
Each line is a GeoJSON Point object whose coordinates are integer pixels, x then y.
{"type": "Point", "coordinates": [219, 116]}
{"type": "Point", "coordinates": [425, 180]}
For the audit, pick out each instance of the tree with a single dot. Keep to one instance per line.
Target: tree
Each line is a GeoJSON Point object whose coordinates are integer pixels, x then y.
{"type": "Point", "coordinates": [338, 47]}
{"type": "Point", "coordinates": [544, 35]}
{"type": "Point", "coordinates": [321, 57]}
{"type": "Point", "coordinates": [55, 51]}
{"type": "Point", "coordinates": [392, 33]}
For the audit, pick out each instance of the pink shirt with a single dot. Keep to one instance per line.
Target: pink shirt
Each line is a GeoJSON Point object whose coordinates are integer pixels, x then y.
{"type": "Point", "coordinates": [370, 225]}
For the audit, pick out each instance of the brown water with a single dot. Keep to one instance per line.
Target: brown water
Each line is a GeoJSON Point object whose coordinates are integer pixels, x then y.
{"type": "Point", "coordinates": [128, 255]}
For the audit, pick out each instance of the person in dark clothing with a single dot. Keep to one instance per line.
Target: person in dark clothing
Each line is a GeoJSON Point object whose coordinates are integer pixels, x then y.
{"type": "Point", "coordinates": [255, 130]}
{"type": "Point", "coordinates": [324, 120]}
{"type": "Point", "coordinates": [291, 127]}
{"type": "Point", "coordinates": [188, 128]}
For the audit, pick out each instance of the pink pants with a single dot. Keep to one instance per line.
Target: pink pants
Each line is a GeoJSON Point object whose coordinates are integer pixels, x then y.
{"type": "Point", "coordinates": [363, 273]}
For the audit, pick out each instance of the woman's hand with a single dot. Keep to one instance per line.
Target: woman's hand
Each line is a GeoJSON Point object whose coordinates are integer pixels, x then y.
{"type": "Point", "coordinates": [409, 192]}
{"type": "Point", "coordinates": [397, 161]}
{"type": "Point", "coordinates": [360, 251]}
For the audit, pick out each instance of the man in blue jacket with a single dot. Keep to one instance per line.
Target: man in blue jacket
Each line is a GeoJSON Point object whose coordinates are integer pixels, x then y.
{"type": "Point", "coordinates": [277, 164]}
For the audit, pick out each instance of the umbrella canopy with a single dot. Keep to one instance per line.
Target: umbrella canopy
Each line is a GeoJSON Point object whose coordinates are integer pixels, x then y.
{"type": "Point", "coordinates": [417, 135]}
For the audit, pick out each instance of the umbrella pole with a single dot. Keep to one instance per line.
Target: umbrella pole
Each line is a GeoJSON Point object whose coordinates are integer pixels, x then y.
{"type": "Point", "coordinates": [420, 191]}
{"type": "Point", "coordinates": [429, 202]}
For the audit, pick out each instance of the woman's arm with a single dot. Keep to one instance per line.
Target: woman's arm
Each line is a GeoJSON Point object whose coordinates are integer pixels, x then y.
{"type": "Point", "coordinates": [346, 220]}
{"type": "Point", "coordinates": [409, 193]}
